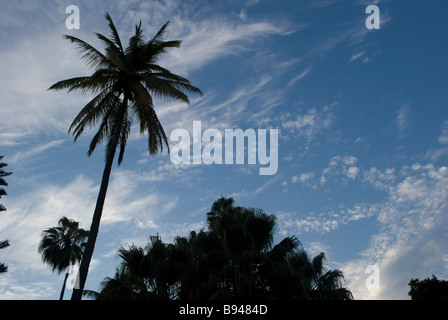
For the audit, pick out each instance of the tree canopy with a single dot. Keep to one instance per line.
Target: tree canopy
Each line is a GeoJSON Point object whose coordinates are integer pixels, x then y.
{"type": "Point", "coordinates": [428, 289]}
{"type": "Point", "coordinates": [234, 259]}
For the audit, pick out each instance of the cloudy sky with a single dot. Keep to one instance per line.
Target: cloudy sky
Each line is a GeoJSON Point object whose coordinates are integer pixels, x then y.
{"type": "Point", "coordinates": [362, 118]}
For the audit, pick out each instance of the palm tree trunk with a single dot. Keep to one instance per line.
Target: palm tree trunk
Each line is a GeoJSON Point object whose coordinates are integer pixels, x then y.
{"type": "Point", "coordinates": [61, 297]}
{"type": "Point", "coordinates": [94, 227]}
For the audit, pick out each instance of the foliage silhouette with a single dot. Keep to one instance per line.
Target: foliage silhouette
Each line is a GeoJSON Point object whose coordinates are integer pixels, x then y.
{"type": "Point", "coordinates": [3, 243]}
{"type": "Point", "coordinates": [428, 289]}
{"type": "Point", "coordinates": [62, 246]}
{"type": "Point", "coordinates": [233, 260]}
{"type": "Point", "coordinates": [124, 81]}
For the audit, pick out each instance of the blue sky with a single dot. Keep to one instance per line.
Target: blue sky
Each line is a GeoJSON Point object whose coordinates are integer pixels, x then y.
{"type": "Point", "coordinates": [362, 119]}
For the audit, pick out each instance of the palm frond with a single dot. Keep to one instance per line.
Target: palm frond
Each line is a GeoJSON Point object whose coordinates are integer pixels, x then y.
{"type": "Point", "coordinates": [103, 131]}
{"type": "Point", "coordinates": [91, 111]}
{"type": "Point", "coordinates": [155, 49]}
{"type": "Point", "coordinates": [102, 109]}
{"type": "Point", "coordinates": [114, 33]}
{"type": "Point", "coordinates": [318, 264]}
{"type": "Point", "coordinates": [165, 88]}
{"type": "Point", "coordinates": [118, 119]}
{"type": "Point", "coordinates": [160, 33]}
{"type": "Point", "coordinates": [69, 84]}
{"type": "Point", "coordinates": [125, 130]}
{"type": "Point", "coordinates": [92, 56]}
{"type": "Point", "coordinates": [281, 251]}
{"type": "Point", "coordinates": [156, 134]}
{"type": "Point", "coordinates": [136, 40]}
{"type": "Point", "coordinates": [100, 80]}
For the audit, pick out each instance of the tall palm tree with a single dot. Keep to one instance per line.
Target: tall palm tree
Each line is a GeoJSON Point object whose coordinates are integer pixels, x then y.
{"type": "Point", "coordinates": [62, 246]}
{"type": "Point", "coordinates": [123, 82]}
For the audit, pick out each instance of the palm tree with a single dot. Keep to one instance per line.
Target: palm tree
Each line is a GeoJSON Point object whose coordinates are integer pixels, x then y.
{"type": "Point", "coordinates": [285, 271]}
{"type": "Point", "coordinates": [233, 260]}
{"type": "Point", "coordinates": [247, 233]}
{"type": "Point", "coordinates": [327, 285]}
{"type": "Point", "coordinates": [123, 82]}
{"type": "Point", "coordinates": [62, 246]}
{"type": "Point", "coordinates": [241, 228]}
{"type": "Point", "coordinates": [153, 272]}
{"type": "Point", "coordinates": [3, 243]}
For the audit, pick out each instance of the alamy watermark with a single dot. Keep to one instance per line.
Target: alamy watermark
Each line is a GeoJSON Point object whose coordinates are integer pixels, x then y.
{"type": "Point", "coordinates": [373, 280]}
{"type": "Point", "coordinates": [73, 277]}
{"type": "Point", "coordinates": [73, 20]}
{"type": "Point", "coordinates": [221, 150]}
{"type": "Point", "coordinates": [373, 20]}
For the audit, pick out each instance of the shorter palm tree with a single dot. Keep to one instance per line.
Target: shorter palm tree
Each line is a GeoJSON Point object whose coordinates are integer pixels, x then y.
{"type": "Point", "coordinates": [63, 246]}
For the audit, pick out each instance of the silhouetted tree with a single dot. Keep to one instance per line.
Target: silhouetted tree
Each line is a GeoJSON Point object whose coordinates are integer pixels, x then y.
{"type": "Point", "coordinates": [3, 243]}
{"type": "Point", "coordinates": [428, 289]}
{"type": "Point", "coordinates": [150, 273]}
{"type": "Point", "coordinates": [62, 247]}
{"type": "Point", "coordinates": [234, 259]}
{"type": "Point", "coordinates": [124, 82]}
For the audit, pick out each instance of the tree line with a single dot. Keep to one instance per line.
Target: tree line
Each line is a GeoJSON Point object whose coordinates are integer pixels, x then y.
{"type": "Point", "coordinates": [234, 259]}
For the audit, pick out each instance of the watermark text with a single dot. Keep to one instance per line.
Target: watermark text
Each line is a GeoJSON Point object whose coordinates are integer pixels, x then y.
{"type": "Point", "coordinates": [208, 147]}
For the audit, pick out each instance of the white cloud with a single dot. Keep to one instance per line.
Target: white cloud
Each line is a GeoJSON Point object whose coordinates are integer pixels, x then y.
{"type": "Point", "coordinates": [33, 212]}
{"type": "Point", "coordinates": [340, 166]}
{"type": "Point", "coordinates": [412, 240]}
{"type": "Point", "coordinates": [299, 77]}
{"type": "Point", "coordinates": [306, 176]}
{"type": "Point", "coordinates": [11, 289]}
{"type": "Point", "coordinates": [213, 39]}
{"type": "Point", "coordinates": [311, 124]}
{"type": "Point", "coordinates": [266, 185]}
{"type": "Point", "coordinates": [378, 179]}
{"type": "Point", "coordinates": [352, 172]}
{"type": "Point", "coordinates": [29, 68]}
{"type": "Point", "coordinates": [412, 237]}
{"type": "Point", "coordinates": [357, 56]}
{"type": "Point", "coordinates": [323, 222]}
{"type": "Point", "coordinates": [127, 202]}
{"type": "Point", "coordinates": [403, 120]}
{"type": "Point", "coordinates": [24, 155]}
{"type": "Point", "coordinates": [234, 109]}
{"type": "Point", "coordinates": [443, 138]}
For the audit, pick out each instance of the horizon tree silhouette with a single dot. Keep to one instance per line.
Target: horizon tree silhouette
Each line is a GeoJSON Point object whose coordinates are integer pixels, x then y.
{"type": "Point", "coordinates": [233, 260]}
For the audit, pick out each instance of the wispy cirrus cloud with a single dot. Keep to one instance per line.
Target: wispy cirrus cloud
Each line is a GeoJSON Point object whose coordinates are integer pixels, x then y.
{"type": "Point", "coordinates": [412, 239]}
{"type": "Point", "coordinates": [33, 152]}
{"type": "Point", "coordinates": [28, 215]}
{"type": "Point", "coordinates": [403, 120]}
{"type": "Point", "coordinates": [412, 219]}
{"type": "Point", "coordinates": [214, 39]}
